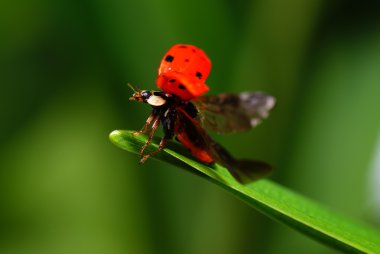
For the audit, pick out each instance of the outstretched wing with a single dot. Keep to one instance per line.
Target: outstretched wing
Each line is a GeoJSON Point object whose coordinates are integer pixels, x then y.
{"type": "Point", "coordinates": [226, 113]}
{"type": "Point", "coordinates": [190, 133]}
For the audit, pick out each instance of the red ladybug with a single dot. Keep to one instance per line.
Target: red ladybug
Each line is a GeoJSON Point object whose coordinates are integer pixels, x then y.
{"type": "Point", "coordinates": [185, 115]}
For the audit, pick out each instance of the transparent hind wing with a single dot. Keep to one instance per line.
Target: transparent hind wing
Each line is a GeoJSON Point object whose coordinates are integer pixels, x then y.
{"type": "Point", "coordinates": [228, 113]}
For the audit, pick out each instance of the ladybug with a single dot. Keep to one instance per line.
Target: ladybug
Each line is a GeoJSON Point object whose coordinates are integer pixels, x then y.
{"type": "Point", "coordinates": [185, 114]}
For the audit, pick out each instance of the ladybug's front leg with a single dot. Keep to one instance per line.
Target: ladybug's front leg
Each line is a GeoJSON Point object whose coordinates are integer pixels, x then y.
{"type": "Point", "coordinates": [160, 147]}
{"type": "Point", "coordinates": [146, 125]}
{"type": "Point", "coordinates": [155, 125]}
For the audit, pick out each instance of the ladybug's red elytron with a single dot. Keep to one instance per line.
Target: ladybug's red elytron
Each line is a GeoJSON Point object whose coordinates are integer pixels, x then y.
{"type": "Point", "coordinates": [185, 115]}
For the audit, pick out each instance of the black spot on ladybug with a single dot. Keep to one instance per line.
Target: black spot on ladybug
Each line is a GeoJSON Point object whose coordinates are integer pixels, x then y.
{"type": "Point", "coordinates": [182, 47]}
{"type": "Point", "coordinates": [198, 75]}
{"type": "Point", "coordinates": [180, 86]}
{"type": "Point", "coordinates": [187, 60]}
{"type": "Point", "coordinates": [169, 58]}
{"type": "Point", "coordinates": [172, 80]}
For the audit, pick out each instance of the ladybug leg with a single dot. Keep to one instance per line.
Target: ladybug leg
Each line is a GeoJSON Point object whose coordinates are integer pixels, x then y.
{"type": "Point", "coordinates": [146, 125]}
{"type": "Point", "coordinates": [160, 147]}
{"type": "Point", "coordinates": [155, 125]}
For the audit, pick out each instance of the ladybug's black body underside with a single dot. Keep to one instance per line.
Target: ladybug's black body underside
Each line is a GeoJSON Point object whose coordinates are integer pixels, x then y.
{"type": "Point", "coordinates": [167, 113]}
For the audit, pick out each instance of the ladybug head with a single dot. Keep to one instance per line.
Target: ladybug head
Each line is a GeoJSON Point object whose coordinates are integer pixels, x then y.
{"type": "Point", "coordinates": [153, 98]}
{"type": "Point", "coordinates": [139, 95]}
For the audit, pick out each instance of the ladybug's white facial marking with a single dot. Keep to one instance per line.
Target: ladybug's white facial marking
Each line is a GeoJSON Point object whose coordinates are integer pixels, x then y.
{"type": "Point", "coordinates": [156, 100]}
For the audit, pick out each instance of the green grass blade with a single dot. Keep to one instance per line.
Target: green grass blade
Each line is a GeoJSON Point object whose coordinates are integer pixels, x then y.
{"type": "Point", "coordinates": [271, 199]}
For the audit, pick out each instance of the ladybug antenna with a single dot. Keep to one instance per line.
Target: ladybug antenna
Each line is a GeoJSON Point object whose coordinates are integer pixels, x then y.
{"type": "Point", "coordinates": [136, 93]}
{"type": "Point", "coordinates": [133, 89]}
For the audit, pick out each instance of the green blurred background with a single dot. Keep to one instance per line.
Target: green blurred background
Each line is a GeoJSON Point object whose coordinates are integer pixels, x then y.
{"type": "Point", "coordinates": [64, 68]}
